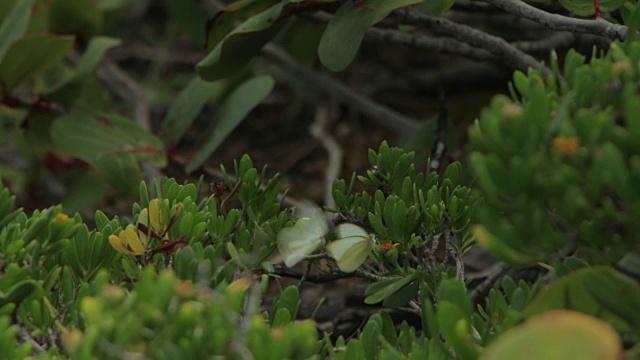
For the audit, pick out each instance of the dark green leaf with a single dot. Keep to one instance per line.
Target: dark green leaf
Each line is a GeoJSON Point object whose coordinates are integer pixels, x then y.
{"type": "Point", "coordinates": [14, 25]}
{"type": "Point", "coordinates": [343, 36]}
{"type": "Point", "coordinates": [242, 44]}
{"type": "Point", "coordinates": [234, 109]}
{"type": "Point", "coordinates": [32, 54]}
{"type": "Point", "coordinates": [187, 106]}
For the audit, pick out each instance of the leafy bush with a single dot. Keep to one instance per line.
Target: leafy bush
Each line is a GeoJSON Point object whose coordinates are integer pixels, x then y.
{"type": "Point", "coordinates": [554, 167]}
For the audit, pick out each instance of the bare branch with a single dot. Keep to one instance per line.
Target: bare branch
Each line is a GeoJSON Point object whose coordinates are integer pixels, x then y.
{"type": "Point", "coordinates": [318, 130]}
{"type": "Point", "coordinates": [563, 23]}
{"type": "Point", "coordinates": [365, 105]}
{"type": "Point", "coordinates": [444, 45]}
{"type": "Point", "coordinates": [499, 47]}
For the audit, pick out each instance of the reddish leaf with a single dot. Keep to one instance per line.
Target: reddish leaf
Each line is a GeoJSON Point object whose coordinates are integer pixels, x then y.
{"type": "Point", "coordinates": [169, 246]}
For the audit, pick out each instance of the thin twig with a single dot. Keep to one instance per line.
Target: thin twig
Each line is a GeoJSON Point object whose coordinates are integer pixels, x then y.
{"type": "Point", "coordinates": [557, 40]}
{"type": "Point", "coordinates": [213, 172]}
{"type": "Point", "coordinates": [150, 53]}
{"type": "Point", "coordinates": [494, 273]}
{"type": "Point", "coordinates": [373, 277]}
{"type": "Point", "coordinates": [446, 45]}
{"type": "Point", "coordinates": [563, 23]}
{"type": "Point", "coordinates": [365, 105]}
{"type": "Point", "coordinates": [232, 193]}
{"type": "Point", "coordinates": [334, 163]}
{"type": "Point", "coordinates": [457, 256]}
{"type": "Point", "coordinates": [25, 336]}
{"type": "Point", "coordinates": [126, 88]}
{"type": "Point", "coordinates": [252, 304]}
{"type": "Point", "coordinates": [439, 145]}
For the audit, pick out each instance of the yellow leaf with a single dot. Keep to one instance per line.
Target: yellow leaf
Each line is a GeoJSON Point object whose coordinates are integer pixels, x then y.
{"type": "Point", "coordinates": [155, 216]}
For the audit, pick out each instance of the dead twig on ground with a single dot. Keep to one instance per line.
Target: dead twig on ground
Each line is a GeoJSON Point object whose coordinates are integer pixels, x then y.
{"type": "Point", "coordinates": [319, 131]}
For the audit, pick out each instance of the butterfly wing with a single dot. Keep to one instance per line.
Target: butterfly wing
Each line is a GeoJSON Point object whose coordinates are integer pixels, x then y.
{"type": "Point", "coordinates": [302, 239]}
{"type": "Point", "coordinates": [348, 230]}
{"type": "Point", "coordinates": [350, 251]}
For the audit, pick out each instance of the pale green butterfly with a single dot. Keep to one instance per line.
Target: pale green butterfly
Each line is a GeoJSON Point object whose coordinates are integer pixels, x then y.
{"type": "Point", "coordinates": [351, 248]}
{"type": "Point", "coordinates": [299, 241]}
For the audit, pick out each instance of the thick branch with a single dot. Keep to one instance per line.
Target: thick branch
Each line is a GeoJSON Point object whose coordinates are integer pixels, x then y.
{"type": "Point", "coordinates": [558, 22]}
{"type": "Point", "coordinates": [500, 48]}
{"type": "Point", "coordinates": [378, 113]}
{"type": "Point", "coordinates": [444, 45]}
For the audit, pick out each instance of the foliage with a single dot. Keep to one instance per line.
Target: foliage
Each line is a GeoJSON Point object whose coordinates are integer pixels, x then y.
{"type": "Point", "coordinates": [182, 273]}
{"type": "Point", "coordinates": [61, 118]}
{"type": "Point", "coordinates": [560, 169]}
{"type": "Point", "coordinates": [554, 172]}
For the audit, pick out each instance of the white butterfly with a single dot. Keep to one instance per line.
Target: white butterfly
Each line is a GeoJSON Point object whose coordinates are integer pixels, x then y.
{"type": "Point", "coordinates": [299, 241]}
{"type": "Point", "coordinates": [351, 248]}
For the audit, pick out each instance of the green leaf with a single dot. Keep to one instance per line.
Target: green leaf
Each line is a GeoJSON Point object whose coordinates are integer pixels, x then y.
{"type": "Point", "coordinates": [584, 290]}
{"type": "Point", "coordinates": [187, 106]}
{"type": "Point", "coordinates": [403, 296]}
{"type": "Point", "coordinates": [85, 191]}
{"type": "Point", "coordinates": [18, 292]}
{"type": "Point", "coordinates": [370, 336]}
{"type": "Point", "coordinates": [289, 300]}
{"type": "Point", "coordinates": [435, 7]}
{"type": "Point", "coordinates": [557, 335]}
{"type": "Point", "coordinates": [14, 25]}
{"type": "Point", "coordinates": [379, 291]}
{"type": "Point", "coordinates": [188, 16]}
{"type": "Point", "coordinates": [232, 111]}
{"type": "Point", "coordinates": [585, 7]}
{"type": "Point", "coordinates": [121, 171]}
{"type": "Point", "coordinates": [32, 54]}
{"type": "Point", "coordinates": [71, 87]}
{"type": "Point", "coordinates": [224, 21]}
{"type": "Point", "coordinates": [91, 138]}
{"type": "Point", "coordinates": [112, 144]}
{"type": "Point", "coordinates": [498, 247]}
{"type": "Point", "coordinates": [343, 36]}
{"type": "Point", "coordinates": [242, 44]}
{"type": "Point", "coordinates": [76, 17]}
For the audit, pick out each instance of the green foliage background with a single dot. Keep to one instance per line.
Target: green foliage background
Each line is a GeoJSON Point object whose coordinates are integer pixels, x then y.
{"type": "Point", "coordinates": [549, 186]}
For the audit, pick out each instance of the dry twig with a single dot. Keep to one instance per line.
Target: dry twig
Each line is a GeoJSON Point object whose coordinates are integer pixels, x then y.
{"type": "Point", "coordinates": [318, 130]}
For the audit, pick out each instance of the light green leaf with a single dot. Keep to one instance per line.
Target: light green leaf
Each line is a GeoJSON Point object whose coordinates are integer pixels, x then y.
{"type": "Point", "coordinates": [557, 335]}
{"type": "Point", "coordinates": [232, 111]}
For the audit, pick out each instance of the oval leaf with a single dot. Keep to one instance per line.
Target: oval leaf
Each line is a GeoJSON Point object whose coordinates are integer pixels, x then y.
{"type": "Point", "coordinates": [242, 44]}
{"type": "Point", "coordinates": [559, 334]}
{"type": "Point", "coordinates": [32, 54]}
{"type": "Point", "coordinates": [343, 36]}
{"type": "Point", "coordinates": [232, 111]}
{"type": "Point", "coordinates": [14, 25]}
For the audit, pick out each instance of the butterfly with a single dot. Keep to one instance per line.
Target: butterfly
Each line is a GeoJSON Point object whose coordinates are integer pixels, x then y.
{"type": "Point", "coordinates": [351, 248]}
{"type": "Point", "coordinates": [299, 241]}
